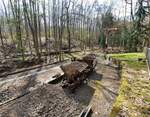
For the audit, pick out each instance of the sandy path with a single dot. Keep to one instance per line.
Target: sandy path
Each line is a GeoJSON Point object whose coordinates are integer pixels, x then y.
{"type": "Point", "coordinates": [106, 83]}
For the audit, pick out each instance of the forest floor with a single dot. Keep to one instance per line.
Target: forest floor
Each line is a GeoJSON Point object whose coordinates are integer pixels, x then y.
{"type": "Point", "coordinates": [15, 65]}
{"type": "Point", "coordinates": [28, 94]}
{"type": "Point", "coordinates": [134, 92]}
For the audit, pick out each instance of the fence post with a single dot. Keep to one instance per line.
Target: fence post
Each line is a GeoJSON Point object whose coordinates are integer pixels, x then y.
{"type": "Point", "coordinates": [147, 53]}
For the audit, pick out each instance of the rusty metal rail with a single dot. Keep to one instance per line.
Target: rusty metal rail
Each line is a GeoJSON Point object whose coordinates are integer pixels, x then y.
{"type": "Point", "coordinates": [86, 112]}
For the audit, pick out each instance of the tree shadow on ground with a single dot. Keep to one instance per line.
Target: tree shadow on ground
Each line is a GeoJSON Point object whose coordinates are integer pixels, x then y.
{"type": "Point", "coordinates": [110, 90]}
{"type": "Point", "coordinates": [83, 94]}
{"type": "Point", "coordinates": [118, 69]}
{"type": "Point", "coordinates": [95, 76]}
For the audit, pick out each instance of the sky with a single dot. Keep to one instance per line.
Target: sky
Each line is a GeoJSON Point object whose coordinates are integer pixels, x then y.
{"type": "Point", "coordinates": [119, 6]}
{"type": "Point", "coordinates": [118, 9]}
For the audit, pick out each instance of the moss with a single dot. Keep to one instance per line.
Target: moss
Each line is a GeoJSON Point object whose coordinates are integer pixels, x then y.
{"type": "Point", "coordinates": [121, 98]}
{"type": "Point", "coordinates": [134, 92]}
{"type": "Point", "coordinates": [130, 60]}
{"type": "Point", "coordinates": [127, 95]}
{"type": "Point", "coordinates": [147, 99]}
{"type": "Point", "coordinates": [130, 96]}
{"type": "Point", "coordinates": [128, 56]}
{"type": "Point", "coordinates": [136, 65]}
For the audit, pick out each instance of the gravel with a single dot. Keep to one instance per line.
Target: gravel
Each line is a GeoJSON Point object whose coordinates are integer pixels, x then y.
{"type": "Point", "coordinates": [46, 101]}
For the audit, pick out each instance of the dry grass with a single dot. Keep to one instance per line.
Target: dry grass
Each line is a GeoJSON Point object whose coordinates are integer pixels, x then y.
{"type": "Point", "coordinates": [134, 93]}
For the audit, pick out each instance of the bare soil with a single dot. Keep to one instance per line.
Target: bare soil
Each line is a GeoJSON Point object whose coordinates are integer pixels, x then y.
{"type": "Point", "coordinates": [46, 101]}
{"type": "Point", "coordinates": [37, 99]}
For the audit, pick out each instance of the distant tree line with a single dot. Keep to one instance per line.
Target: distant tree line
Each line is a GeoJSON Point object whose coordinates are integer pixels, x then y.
{"type": "Point", "coordinates": [32, 25]}
{"type": "Point", "coordinates": [130, 32]}
{"type": "Point", "coordinates": [44, 26]}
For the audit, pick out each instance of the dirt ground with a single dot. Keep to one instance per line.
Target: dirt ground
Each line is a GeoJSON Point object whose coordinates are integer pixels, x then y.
{"type": "Point", "coordinates": [27, 96]}
{"type": "Point", "coordinates": [46, 101]}
{"type": "Point", "coordinates": [106, 82]}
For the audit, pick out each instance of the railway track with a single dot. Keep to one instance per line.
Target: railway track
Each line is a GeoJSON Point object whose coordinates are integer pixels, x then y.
{"type": "Point", "coordinates": [20, 84]}
{"type": "Point", "coordinates": [31, 68]}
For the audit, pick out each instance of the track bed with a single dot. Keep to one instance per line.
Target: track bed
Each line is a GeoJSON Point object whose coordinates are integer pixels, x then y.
{"type": "Point", "coordinates": [51, 100]}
